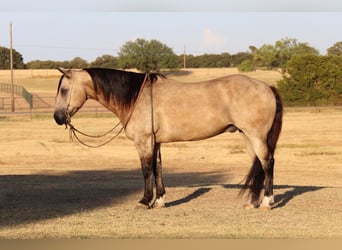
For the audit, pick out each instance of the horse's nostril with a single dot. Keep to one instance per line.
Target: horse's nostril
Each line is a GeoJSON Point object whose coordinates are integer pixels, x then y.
{"type": "Point", "coordinates": [59, 117]}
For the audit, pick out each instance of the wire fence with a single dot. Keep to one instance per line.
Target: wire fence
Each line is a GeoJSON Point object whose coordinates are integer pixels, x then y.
{"type": "Point", "coordinates": [17, 91]}
{"type": "Point", "coordinates": [25, 102]}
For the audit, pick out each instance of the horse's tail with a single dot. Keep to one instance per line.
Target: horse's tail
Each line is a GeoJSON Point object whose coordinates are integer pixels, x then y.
{"type": "Point", "coordinates": [273, 134]}
{"type": "Point", "coordinates": [255, 178]}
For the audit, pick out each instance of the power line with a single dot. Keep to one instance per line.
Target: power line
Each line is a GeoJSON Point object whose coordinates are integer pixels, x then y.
{"type": "Point", "coordinates": [42, 46]}
{"type": "Point", "coordinates": [61, 47]}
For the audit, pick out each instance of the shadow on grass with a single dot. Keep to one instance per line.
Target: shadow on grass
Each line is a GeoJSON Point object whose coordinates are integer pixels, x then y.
{"type": "Point", "coordinates": [31, 198]}
{"type": "Point", "coordinates": [194, 195]}
{"type": "Point", "coordinates": [280, 200]}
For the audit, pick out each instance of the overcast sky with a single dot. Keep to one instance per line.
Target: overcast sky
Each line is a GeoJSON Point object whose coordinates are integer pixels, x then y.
{"type": "Point", "coordinates": [48, 30]}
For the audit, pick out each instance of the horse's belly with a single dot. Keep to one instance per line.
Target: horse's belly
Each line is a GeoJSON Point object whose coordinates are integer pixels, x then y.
{"type": "Point", "coordinates": [191, 129]}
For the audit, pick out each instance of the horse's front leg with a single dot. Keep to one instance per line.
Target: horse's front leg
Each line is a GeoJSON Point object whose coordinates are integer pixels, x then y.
{"type": "Point", "coordinates": [146, 167]}
{"type": "Point", "coordinates": [145, 150]}
{"type": "Point", "coordinates": [157, 172]}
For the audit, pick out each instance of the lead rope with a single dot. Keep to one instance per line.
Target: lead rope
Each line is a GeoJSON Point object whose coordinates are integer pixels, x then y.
{"type": "Point", "coordinates": [73, 134]}
{"type": "Point", "coordinates": [153, 139]}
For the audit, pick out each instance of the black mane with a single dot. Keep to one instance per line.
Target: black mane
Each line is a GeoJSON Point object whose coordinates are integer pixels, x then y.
{"type": "Point", "coordinates": [117, 85]}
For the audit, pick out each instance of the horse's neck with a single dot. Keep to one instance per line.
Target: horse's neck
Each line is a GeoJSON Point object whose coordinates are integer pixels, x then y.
{"type": "Point", "coordinates": [113, 107]}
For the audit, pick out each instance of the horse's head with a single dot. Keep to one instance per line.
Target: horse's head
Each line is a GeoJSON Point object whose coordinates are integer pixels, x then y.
{"type": "Point", "coordinates": [71, 94]}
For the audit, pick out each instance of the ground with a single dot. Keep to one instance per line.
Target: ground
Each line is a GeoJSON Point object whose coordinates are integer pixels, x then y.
{"type": "Point", "coordinates": [53, 188]}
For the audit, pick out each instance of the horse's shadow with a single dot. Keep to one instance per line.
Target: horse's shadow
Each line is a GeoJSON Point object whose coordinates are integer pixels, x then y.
{"type": "Point", "coordinates": [280, 200]}
{"type": "Point", "coordinates": [35, 197]}
{"type": "Point", "coordinates": [30, 198]}
{"type": "Point", "coordinates": [198, 192]}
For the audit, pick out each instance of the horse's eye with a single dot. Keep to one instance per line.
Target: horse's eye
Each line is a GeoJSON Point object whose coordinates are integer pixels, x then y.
{"type": "Point", "coordinates": [64, 91]}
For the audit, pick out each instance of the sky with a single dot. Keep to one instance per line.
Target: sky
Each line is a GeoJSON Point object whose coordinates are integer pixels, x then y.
{"type": "Point", "coordinates": [47, 30]}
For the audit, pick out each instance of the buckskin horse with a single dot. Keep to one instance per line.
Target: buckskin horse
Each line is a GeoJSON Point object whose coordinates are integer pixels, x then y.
{"type": "Point", "coordinates": [154, 109]}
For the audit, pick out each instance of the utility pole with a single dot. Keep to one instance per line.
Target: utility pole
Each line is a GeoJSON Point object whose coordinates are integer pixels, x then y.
{"type": "Point", "coordinates": [11, 65]}
{"type": "Point", "coordinates": [184, 60]}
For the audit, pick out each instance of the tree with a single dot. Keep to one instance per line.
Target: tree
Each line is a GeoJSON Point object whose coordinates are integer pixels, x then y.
{"type": "Point", "coordinates": [336, 49]}
{"type": "Point", "coordinates": [246, 66]}
{"type": "Point", "coordinates": [18, 62]}
{"type": "Point", "coordinates": [48, 64]}
{"type": "Point", "coordinates": [105, 61]}
{"type": "Point", "coordinates": [288, 47]}
{"type": "Point", "coordinates": [38, 64]}
{"type": "Point", "coordinates": [78, 63]}
{"type": "Point", "coordinates": [265, 56]}
{"type": "Point", "coordinates": [147, 56]}
{"type": "Point", "coordinates": [277, 55]}
{"type": "Point", "coordinates": [312, 79]}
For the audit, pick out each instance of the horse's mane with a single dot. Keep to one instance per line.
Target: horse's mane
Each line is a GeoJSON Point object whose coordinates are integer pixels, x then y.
{"type": "Point", "coordinates": [120, 86]}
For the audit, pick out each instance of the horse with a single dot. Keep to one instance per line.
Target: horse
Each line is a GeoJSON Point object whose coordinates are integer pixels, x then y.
{"type": "Point", "coordinates": [154, 109]}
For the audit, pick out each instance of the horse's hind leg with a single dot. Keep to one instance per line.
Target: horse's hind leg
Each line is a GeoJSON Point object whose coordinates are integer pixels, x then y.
{"type": "Point", "coordinates": [268, 195]}
{"type": "Point", "coordinates": [267, 163]}
{"type": "Point", "coordinates": [260, 173]}
{"type": "Point", "coordinates": [157, 171]}
{"type": "Point", "coordinates": [255, 178]}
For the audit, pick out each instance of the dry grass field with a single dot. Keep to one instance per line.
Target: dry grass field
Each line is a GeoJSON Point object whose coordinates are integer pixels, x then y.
{"type": "Point", "coordinates": [53, 188]}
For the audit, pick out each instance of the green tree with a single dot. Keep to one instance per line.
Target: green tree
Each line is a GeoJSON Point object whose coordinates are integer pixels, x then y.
{"type": "Point", "coordinates": [192, 61]}
{"type": "Point", "coordinates": [105, 61]}
{"type": "Point", "coordinates": [147, 55]}
{"type": "Point", "coordinates": [246, 66]}
{"type": "Point", "coordinates": [336, 49]}
{"type": "Point", "coordinates": [38, 64]}
{"type": "Point", "coordinates": [18, 62]}
{"type": "Point", "coordinates": [239, 57]}
{"type": "Point", "coordinates": [265, 56]}
{"type": "Point", "coordinates": [288, 47]}
{"type": "Point", "coordinates": [78, 63]}
{"type": "Point", "coordinates": [277, 55]}
{"type": "Point", "coordinates": [312, 79]}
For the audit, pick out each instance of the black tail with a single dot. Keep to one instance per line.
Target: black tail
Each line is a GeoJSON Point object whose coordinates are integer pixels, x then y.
{"type": "Point", "coordinates": [273, 134]}
{"type": "Point", "coordinates": [256, 176]}
{"type": "Point", "coordinates": [254, 180]}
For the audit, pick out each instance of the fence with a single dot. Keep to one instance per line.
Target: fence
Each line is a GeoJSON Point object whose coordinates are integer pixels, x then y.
{"type": "Point", "coordinates": [18, 91]}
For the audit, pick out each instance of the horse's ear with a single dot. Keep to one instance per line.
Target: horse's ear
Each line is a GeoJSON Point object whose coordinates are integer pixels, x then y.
{"type": "Point", "coordinates": [65, 72]}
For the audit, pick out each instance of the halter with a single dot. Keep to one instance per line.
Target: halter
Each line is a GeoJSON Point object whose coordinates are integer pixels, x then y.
{"type": "Point", "coordinates": [73, 131]}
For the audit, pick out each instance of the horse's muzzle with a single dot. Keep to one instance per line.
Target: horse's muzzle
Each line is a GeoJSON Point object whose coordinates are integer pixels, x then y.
{"type": "Point", "coordinates": [60, 117]}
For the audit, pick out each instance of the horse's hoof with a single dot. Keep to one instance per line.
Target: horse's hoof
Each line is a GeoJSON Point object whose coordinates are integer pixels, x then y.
{"type": "Point", "coordinates": [159, 202]}
{"type": "Point", "coordinates": [266, 203]}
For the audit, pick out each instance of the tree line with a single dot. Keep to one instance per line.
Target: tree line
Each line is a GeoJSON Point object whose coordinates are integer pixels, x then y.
{"type": "Point", "coordinates": [152, 55]}
{"type": "Point", "coordinates": [171, 61]}
{"type": "Point", "coordinates": [308, 77]}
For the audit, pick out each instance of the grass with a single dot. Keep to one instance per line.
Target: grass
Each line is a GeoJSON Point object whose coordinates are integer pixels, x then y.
{"type": "Point", "coordinates": [53, 188]}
